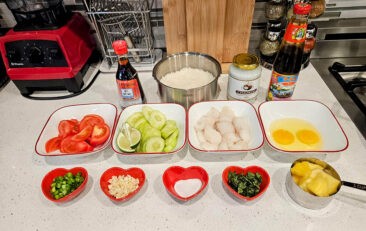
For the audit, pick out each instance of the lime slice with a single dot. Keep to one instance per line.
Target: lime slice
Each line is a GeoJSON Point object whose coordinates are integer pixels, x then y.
{"type": "Point", "coordinates": [128, 139]}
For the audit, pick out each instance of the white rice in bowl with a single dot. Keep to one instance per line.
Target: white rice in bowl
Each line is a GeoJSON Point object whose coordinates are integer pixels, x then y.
{"type": "Point", "coordinates": [187, 78]}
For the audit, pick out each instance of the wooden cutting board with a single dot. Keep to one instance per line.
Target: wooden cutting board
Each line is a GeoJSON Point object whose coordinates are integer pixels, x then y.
{"type": "Point", "coordinates": [220, 28]}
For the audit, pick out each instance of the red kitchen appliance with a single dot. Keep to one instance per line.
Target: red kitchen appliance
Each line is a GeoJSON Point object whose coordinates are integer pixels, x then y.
{"type": "Point", "coordinates": [48, 49]}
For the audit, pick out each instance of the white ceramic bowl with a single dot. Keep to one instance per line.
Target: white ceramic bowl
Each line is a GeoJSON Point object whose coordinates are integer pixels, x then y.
{"type": "Point", "coordinates": [240, 108]}
{"type": "Point", "coordinates": [170, 110]}
{"type": "Point", "coordinates": [316, 113]}
{"type": "Point", "coordinates": [50, 129]}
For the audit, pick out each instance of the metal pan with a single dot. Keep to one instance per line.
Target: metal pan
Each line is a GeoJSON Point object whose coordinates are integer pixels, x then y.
{"type": "Point", "coordinates": [309, 200]}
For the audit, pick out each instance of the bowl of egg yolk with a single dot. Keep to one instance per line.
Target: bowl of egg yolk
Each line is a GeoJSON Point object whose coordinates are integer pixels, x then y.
{"type": "Point", "coordinates": [301, 126]}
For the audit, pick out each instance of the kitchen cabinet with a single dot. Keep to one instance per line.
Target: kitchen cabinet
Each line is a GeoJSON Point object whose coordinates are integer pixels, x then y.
{"type": "Point", "coordinates": [218, 28]}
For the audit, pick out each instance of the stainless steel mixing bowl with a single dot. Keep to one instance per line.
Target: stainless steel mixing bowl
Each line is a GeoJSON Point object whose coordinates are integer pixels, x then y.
{"type": "Point", "coordinates": [176, 62]}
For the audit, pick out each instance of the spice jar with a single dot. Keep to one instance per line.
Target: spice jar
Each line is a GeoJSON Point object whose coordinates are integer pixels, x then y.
{"type": "Point", "coordinates": [244, 75]}
{"type": "Point", "coordinates": [274, 24]}
{"type": "Point", "coordinates": [269, 47]}
{"type": "Point", "coordinates": [309, 43]}
{"type": "Point", "coordinates": [317, 8]}
{"type": "Point", "coordinates": [275, 9]}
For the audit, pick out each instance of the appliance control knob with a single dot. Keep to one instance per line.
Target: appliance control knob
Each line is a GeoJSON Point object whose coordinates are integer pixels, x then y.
{"type": "Point", "coordinates": [35, 55]}
{"type": "Point", "coordinates": [14, 55]}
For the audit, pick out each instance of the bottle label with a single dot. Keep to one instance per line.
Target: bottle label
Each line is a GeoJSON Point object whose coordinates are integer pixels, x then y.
{"type": "Point", "coordinates": [129, 89]}
{"type": "Point", "coordinates": [295, 33]}
{"type": "Point", "coordinates": [281, 87]}
{"type": "Point", "coordinates": [243, 89]}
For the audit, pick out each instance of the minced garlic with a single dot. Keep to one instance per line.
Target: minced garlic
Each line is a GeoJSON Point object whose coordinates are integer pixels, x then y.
{"type": "Point", "coordinates": [121, 186]}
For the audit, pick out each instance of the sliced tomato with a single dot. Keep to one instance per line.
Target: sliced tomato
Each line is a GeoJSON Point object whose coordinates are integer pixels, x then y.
{"type": "Point", "coordinates": [70, 146]}
{"type": "Point", "coordinates": [83, 134]}
{"type": "Point", "coordinates": [53, 144]}
{"type": "Point", "coordinates": [91, 120]}
{"type": "Point", "coordinates": [68, 127]}
{"type": "Point", "coordinates": [99, 135]}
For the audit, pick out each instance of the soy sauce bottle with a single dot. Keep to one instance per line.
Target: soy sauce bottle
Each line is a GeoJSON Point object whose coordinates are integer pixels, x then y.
{"type": "Point", "coordinates": [287, 64]}
{"type": "Point", "coordinates": [128, 84]}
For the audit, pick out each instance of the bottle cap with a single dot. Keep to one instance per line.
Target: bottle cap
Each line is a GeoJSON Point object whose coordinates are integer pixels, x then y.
{"type": "Point", "coordinates": [246, 61]}
{"type": "Point", "coordinates": [302, 8]}
{"type": "Point", "coordinates": [120, 47]}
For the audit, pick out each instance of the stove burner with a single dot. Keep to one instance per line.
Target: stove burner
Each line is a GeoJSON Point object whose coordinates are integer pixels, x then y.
{"type": "Point", "coordinates": [355, 87]}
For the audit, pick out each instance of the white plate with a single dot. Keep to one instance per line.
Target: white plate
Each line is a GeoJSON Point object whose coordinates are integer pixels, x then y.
{"type": "Point", "coordinates": [107, 111]}
{"type": "Point", "coordinates": [240, 108]}
{"type": "Point", "coordinates": [316, 113]}
{"type": "Point", "coordinates": [170, 110]}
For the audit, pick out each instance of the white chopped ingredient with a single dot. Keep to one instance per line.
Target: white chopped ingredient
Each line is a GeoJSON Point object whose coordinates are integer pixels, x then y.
{"type": "Point", "coordinates": [187, 188]}
{"type": "Point", "coordinates": [187, 78]}
{"type": "Point", "coordinates": [223, 130]}
{"type": "Point", "coordinates": [121, 186]}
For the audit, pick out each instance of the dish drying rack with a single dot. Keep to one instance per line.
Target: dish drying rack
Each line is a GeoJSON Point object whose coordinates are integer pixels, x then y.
{"type": "Point", "coordinates": [123, 19]}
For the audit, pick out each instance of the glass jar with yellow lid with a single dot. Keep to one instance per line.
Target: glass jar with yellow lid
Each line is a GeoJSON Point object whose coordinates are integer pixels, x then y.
{"type": "Point", "coordinates": [244, 75]}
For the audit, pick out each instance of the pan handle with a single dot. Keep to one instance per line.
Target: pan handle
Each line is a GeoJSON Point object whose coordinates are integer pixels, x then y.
{"type": "Point", "coordinates": [354, 185]}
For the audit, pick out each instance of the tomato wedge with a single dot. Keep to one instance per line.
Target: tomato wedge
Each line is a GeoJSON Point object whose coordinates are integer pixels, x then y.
{"type": "Point", "coordinates": [70, 146]}
{"type": "Point", "coordinates": [53, 144]}
{"type": "Point", "coordinates": [91, 120]}
{"type": "Point", "coordinates": [68, 127]}
{"type": "Point", "coordinates": [100, 134]}
{"type": "Point", "coordinates": [83, 134]}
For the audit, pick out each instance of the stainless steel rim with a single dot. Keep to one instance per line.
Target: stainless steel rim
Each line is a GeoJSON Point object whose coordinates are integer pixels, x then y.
{"type": "Point", "coordinates": [187, 53]}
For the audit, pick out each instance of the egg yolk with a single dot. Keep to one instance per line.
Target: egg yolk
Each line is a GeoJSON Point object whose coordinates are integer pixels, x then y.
{"type": "Point", "coordinates": [283, 136]}
{"type": "Point", "coordinates": [307, 137]}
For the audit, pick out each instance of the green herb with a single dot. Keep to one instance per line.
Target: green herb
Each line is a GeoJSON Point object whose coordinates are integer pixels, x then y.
{"type": "Point", "coordinates": [64, 185]}
{"type": "Point", "coordinates": [247, 185]}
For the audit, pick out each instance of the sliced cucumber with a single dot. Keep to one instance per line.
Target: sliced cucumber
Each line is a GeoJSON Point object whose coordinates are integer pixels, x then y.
{"type": "Point", "coordinates": [146, 111]}
{"type": "Point", "coordinates": [132, 119]}
{"type": "Point", "coordinates": [169, 148]}
{"type": "Point", "coordinates": [150, 133]}
{"type": "Point", "coordinates": [145, 127]}
{"type": "Point", "coordinates": [168, 129]}
{"type": "Point", "coordinates": [140, 122]}
{"type": "Point", "coordinates": [140, 147]}
{"type": "Point", "coordinates": [154, 144]}
{"type": "Point", "coordinates": [172, 140]}
{"type": "Point", "coordinates": [157, 119]}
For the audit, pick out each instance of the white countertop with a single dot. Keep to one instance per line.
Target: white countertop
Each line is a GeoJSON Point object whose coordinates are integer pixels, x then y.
{"type": "Point", "coordinates": [23, 206]}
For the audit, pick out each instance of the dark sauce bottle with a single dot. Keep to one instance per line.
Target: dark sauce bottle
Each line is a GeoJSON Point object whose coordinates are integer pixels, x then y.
{"type": "Point", "coordinates": [287, 64]}
{"type": "Point", "coordinates": [128, 84]}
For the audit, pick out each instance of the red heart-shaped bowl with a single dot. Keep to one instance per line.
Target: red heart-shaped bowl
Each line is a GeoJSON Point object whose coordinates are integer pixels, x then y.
{"type": "Point", "coordinates": [239, 170]}
{"type": "Point", "coordinates": [116, 171]}
{"type": "Point", "coordinates": [49, 177]}
{"type": "Point", "coordinates": [177, 173]}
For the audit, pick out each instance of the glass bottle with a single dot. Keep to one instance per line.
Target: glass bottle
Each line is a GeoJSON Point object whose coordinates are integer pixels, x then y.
{"type": "Point", "coordinates": [275, 9]}
{"type": "Point", "coordinates": [128, 84]}
{"type": "Point", "coordinates": [287, 64]}
{"type": "Point", "coordinates": [269, 46]}
{"type": "Point", "coordinates": [309, 43]}
{"type": "Point", "coordinates": [317, 8]}
{"type": "Point", "coordinates": [290, 8]}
